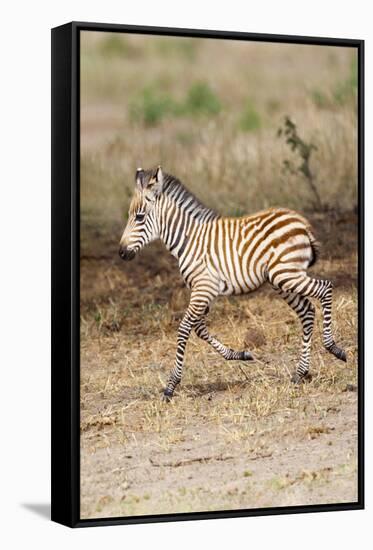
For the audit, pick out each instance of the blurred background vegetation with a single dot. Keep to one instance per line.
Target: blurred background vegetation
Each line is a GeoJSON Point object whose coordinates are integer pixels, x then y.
{"type": "Point", "coordinates": [209, 111]}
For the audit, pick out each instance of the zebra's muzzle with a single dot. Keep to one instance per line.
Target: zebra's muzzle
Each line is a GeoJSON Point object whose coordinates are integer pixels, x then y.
{"type": "Point", "coordinates": [126, 254]}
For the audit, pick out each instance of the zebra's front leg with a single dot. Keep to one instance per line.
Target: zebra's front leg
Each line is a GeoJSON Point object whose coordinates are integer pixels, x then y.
{"type": "Point", "coordinates": [202, 294]}
{"type": "Point", "coordinates": [185, 329]}
{"type": "Point", "coordinates": [228, 353]}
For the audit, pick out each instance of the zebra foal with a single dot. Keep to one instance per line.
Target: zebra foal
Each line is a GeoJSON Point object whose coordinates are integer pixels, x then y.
{"type": "Point", "coordinates": [224, 256]}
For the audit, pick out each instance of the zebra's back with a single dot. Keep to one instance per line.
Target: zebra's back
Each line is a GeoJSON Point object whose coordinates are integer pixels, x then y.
{"type": "Point", "coordinates": [244, 252]}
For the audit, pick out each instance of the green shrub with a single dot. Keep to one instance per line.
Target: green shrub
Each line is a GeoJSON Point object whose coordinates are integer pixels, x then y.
{"type": "Point", "coordinates": [343, 92]}
{"type": "Point", "coordinates": [250, 118]}
{"type": "Point", "coordinates": [178, 47]}
{"type": "Point", "coordinates": [200, 100]}
{"type": "Point", "coordinates": [303, 149]}
{"type": "Point", "coordinates": [347, 89]}
{"type": "Point", "coordinates": [150, 107]}
{"type": "Point", "coordinates": [320, 99]}
{"type": "Point", "coordinates": [114, 45]}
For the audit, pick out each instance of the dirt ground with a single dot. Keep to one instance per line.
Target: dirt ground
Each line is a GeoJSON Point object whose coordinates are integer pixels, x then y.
{"type": "Point", "coordinates": [236, 435]}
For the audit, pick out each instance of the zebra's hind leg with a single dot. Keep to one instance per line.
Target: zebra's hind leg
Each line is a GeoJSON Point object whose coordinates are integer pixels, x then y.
{"type": "Point", "coordinates": [297, 282]}
{"type": "Point", "coordinates": [306, 313]}
{"type": "Point", "coordinates": [325, 298]}
{"type": "Point", "coordinates": [228, 353]}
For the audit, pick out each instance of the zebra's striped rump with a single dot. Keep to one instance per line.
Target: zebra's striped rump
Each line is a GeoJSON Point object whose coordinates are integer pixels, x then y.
{"type": "Point", "coordinates": [225, 255]}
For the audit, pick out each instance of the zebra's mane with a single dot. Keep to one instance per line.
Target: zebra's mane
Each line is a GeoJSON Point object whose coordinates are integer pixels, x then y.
{"type": "Point", "coordinates": [186, 200]}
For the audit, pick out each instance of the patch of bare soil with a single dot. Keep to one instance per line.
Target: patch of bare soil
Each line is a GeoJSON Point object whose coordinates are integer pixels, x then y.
{"type": "Point", "coordinates": [287, 459]}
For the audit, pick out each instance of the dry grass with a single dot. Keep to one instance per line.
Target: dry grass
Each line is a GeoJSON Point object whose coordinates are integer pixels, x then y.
{"type": "Point", "coordinates": [236, 435]}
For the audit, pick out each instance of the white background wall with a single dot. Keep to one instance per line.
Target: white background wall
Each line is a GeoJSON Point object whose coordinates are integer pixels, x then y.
{"type": "Point", "coordinates": [25, 270]}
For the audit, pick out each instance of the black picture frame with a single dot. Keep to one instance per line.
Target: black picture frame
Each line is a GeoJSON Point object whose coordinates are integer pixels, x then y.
{"type": "Point", "coordinates": [65, 469]}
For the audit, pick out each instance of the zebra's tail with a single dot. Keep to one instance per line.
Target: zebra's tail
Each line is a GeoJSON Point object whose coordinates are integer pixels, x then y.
{"type": "Point", "coordinates": [315, 247]}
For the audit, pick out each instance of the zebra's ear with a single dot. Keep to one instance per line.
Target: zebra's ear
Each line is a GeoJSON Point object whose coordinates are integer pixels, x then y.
{"type": "Point", "coordinates": [140, 178]}
{"type": "Point", "coordinates": [159, 175]}
{"type": "Point", "coordinates": [157, 182]}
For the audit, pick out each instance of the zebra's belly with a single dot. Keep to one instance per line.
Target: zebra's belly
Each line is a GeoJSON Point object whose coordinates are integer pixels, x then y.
{"type": "Point", "coordinates": [235, 278]}
{"type": "Point", "coordinates": [230, 288]}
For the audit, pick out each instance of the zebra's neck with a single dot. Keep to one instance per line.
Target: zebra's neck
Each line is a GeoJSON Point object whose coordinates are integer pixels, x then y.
{"type": "Point", "coordinates": [179, 212]}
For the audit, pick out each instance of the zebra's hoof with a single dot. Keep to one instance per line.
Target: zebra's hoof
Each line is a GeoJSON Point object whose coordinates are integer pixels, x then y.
{"type": "Point", "coordinates": [339, 353]}
{"type": "Point", "coordinates": [246, 356]}
{"type": "Point", "coordinates": [296, 379]}
{"type": "Point", "coordinates": [299, 379]}
{"type": "Point", "coordinates": [167, 396]}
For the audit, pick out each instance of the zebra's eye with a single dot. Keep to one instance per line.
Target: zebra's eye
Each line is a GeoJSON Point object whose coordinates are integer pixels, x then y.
{"type": "Point", "coordinates": [139, 217]}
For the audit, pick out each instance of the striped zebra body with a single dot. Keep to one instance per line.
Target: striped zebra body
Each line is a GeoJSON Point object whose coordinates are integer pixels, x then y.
{"type": "Point", "coordinates": [241, 253]}
{"type": "Point", "coordinates": [228, 256]}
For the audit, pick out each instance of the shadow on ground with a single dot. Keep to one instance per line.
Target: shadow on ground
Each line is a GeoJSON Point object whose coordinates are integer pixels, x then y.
{"type": "Point", "coordinates": [42, 510]}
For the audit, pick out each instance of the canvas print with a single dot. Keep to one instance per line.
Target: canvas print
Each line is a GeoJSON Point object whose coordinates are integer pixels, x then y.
{"type": "Point", "coordinates": [218, 274]}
